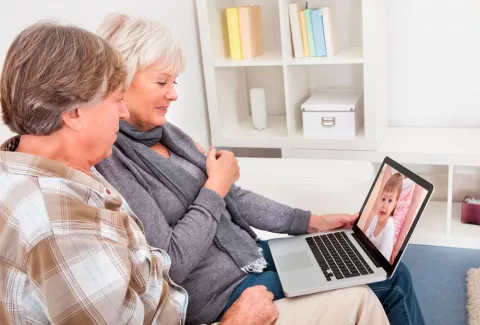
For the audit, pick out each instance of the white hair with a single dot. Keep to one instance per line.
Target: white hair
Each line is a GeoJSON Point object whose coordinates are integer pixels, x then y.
{"type": "Point", "coordinates": [141, 43]}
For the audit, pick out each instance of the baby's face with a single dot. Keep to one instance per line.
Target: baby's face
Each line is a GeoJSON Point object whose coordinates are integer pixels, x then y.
{"type": "Point", "coordinates": [388, 200]}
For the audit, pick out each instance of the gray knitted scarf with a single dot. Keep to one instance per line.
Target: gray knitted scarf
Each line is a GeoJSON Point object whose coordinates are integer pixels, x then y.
{"type": "Point", "coordinates": [233, 235]}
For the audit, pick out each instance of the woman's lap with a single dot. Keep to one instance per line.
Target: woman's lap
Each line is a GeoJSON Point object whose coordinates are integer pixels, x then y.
{"type": "Point", "coordinates": [392, 293]}
{"type": "Point", "coordinates": [269, 278]}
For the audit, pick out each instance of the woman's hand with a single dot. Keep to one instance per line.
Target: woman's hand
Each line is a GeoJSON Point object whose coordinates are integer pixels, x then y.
{"type": "Point", "coordinates": [319, 223]}
{"type": "Point", "coordinates": [222, 170]}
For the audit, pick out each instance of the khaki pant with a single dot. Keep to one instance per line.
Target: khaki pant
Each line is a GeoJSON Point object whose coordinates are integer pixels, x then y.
{"type": "Point", "coordinates": [352, 306]}
{"type": "Point", "coordinates": [349, 306]}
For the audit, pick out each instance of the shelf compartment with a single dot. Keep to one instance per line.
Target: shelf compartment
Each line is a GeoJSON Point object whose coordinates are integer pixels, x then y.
{"type": "Point", "coordinates": [432, 228]}
{"type": "Point", "coordinates": [233, 96]}
{"type": "Point", "coordinates": [432, 225]}
{"type": "Point", "coordinates": [242, 134]}
{"type": "Point", "coordinates": [303, 81]}
{"type": "Point", "coordinates": [464, 235]}
{"type": "Point", "coordinates": [270, 32]}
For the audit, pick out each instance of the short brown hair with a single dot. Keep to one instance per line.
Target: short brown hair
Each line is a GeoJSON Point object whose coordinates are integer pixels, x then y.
{"type": "Point", "coordinates": [394, 185]}
{"type": "Point", "coordinates": [51, 69]}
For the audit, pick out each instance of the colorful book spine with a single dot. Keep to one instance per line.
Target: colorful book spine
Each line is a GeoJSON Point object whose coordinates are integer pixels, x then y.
{"type": "Point", "coordinates": [233, 27]}
{"type": "Point", "coordinates": [225, 39]}
{"type": "Point", "coordinates": [309, 27]}
{"type": "Point", "coordinates": [318, 33]}
{"type": "Point", "coordinates": [250, 31]}
{"type": "Point", "coordinates": [303, 28]}
{"type": "Point", "coordinates": [293, 10]}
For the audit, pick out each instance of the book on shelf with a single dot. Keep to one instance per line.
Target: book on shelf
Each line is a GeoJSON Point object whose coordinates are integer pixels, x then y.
{"type": "Point", "coordinates": [314, 31]}
{"type": "Point", "coordinates": [296, 29]}
{"type": "Point", "coordinates": [233, 27]}
{"type": "Point", "coordinates": [244, 25]}
{"type": "Point", "coordinates": [250, 31]}
{"type": "Point", "coordinates": [303, 29]}
{"type": "Point", "coordinates": [225, 36]}
{"type": "Point", "coordinates": [318, 33]}
{"type": "Point", "coordinates": [331, 30]}
{"type": "Point", "coordinates": [308, 24]}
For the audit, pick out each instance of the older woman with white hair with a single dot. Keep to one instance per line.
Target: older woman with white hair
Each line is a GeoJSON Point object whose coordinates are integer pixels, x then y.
{"type": "Point", "coordinates": [189, 203]}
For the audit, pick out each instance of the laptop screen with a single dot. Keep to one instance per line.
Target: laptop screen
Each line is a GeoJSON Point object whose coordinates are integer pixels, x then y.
{"type": "Point", "coordinates": [392, 208]}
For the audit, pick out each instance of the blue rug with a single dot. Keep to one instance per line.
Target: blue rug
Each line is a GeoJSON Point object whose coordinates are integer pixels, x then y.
{"type": "Point", "coordinates": [439, 275]}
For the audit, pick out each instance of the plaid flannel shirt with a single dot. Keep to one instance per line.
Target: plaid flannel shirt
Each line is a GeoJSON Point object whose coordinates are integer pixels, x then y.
{"type": "Point", "coordinates": [72, 251]}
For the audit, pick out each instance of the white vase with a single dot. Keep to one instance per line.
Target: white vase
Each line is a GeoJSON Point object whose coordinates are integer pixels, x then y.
{"type": "Point", "coordinates": [259, 108]}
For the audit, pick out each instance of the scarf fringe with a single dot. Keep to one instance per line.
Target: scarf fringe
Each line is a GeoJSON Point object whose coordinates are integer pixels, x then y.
{"type": "Point", "coordinates": [256, 266]}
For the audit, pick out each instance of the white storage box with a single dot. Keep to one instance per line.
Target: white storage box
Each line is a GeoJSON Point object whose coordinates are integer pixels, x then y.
{"type": "Point", "coordinates": [333, 113]}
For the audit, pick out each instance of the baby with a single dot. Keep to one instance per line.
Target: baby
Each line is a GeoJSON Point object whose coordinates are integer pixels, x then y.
{"type": "Point", "coordinates": [381, 231]}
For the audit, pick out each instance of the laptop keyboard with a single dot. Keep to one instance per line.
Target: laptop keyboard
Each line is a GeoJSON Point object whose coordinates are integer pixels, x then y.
{"type": "Point", "coordinates": [337, 256]}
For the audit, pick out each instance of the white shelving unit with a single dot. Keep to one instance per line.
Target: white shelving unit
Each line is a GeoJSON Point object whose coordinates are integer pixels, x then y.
{"type": "Point", "coordinates": [429, 146]}
{"type": "Point", "coordinates": [449, 147]}
{"type": "Point", "coordinates": [434, 229]}
{"type": "Point", "coordinates": [289, 81]}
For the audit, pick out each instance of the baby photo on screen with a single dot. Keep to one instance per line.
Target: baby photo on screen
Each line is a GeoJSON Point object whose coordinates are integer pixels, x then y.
{"type": "Point", "coordinates": [381, 231]}
{"type": "Point", "coordinates": [390, 211]}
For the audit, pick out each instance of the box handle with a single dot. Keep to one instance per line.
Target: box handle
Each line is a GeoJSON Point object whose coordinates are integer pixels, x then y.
{"type": "Point", "coordinates": [328, 121]}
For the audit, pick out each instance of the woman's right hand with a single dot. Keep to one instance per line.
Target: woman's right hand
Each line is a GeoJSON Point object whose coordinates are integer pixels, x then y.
{"type": "Point", "coordinates": [222, 170]}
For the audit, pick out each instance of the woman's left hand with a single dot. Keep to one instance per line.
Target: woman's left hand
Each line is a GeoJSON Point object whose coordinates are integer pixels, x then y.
{"type": "Point", "coordinates": [319, 223]}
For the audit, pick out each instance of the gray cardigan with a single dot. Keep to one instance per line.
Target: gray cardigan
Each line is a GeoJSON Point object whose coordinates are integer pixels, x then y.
{"type": "Point", "coordinates": [207, 273]}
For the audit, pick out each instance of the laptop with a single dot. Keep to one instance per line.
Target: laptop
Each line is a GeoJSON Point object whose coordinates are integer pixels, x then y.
{"type": "Point", "coordinates": [369, 251]}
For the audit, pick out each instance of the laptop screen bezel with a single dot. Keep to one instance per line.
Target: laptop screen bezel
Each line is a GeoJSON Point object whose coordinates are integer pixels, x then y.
{"type": "Point", "coordinates": [390, 268]}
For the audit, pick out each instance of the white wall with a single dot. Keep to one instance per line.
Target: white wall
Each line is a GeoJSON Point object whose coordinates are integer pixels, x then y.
{"type": "Point", "coordinates": [434, 69]}
{"type": "Point", "coordinates": [434, 57]}
{"type": "Point", "coordinates": [189, 112]}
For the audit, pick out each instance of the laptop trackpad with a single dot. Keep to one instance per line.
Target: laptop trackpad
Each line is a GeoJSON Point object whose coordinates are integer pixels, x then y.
{"type": "Point", "coordinates": [293, 261]}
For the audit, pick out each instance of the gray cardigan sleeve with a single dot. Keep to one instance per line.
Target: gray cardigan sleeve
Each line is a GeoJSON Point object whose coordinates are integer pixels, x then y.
{"type": "Point", "coordinates": [266, 214]}
{"type": "Point", "coordinates": [188, 240]}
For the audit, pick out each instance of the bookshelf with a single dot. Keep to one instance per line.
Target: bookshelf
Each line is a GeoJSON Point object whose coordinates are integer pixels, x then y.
{"type": "Point", "coordinates": [289, 81]}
